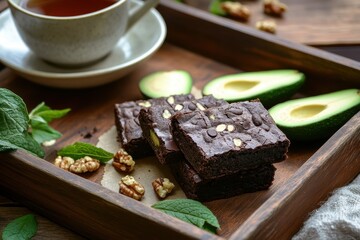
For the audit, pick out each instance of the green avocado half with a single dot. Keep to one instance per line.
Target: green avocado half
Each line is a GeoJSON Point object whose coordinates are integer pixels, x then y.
{"type": "Point", "coordinates": [316, 117]}
{"type": "Point", "coordinates": [270, 87]}
{"type": "Point", "coordinates": [166, 83]}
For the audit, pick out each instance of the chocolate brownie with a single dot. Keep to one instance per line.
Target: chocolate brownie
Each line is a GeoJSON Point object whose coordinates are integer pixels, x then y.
{"type": "Point", "coordinates": [155, 124]}
{"type": "Point", "coordinates": [230, 138]}
{"type": "Point", "coordinates": [128, 126]}
{"type": "Point", "coordinates": [246, 181]}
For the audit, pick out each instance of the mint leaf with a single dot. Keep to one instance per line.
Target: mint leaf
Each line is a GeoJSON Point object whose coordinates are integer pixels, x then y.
{"type": "Point", "coordinates": [40, 116]}
{"type": "Point", "coordinates": [24, 227]}
{"type": "Point", "coordinates": [215, 7]}
{"type": "Point", "coordinates": [39, 108]}
{"type": "Point", "coordinates": [14, 123]}
{"type": "Point", "coordinates": [47, 113]}
{"type": "Point", "coordinates": [190, 211]}
{"type": "Point", "coordinates": [42, 132]}
{"type": "Point", "coordinates": [80, 150]}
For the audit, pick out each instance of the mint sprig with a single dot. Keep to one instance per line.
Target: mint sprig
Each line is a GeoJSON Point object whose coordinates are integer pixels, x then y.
{"type": "Point", "coordinates": [40, 117]}
{"type": "Point", "coordinates": [20, 130]}
{"type": "Point", "coordinates": [14, 124]}
{"type": "Point", "coordinates": [24, 227]}
{"type": "Point", "coordinates": [190, 211]}
{"type": "Point", "coordinates": [81, 149]}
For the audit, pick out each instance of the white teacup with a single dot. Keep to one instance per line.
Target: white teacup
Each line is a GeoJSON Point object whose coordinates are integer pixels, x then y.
{"type": "Point", "coordinates": [76, 40]}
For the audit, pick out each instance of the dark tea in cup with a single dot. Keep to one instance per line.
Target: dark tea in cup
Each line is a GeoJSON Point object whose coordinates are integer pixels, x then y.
{"type": "Point", "coordinates": [65, 8]}
{"type": "Point", "coordinates": [69, 36]}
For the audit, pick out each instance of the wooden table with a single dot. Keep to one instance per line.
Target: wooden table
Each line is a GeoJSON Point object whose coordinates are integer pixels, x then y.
{"type": "Point", "coordinates": [10, 209]}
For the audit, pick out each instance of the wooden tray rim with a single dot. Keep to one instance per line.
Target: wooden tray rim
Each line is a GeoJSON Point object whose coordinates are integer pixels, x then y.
{"type": "Point", "coordinates": [163, 222]}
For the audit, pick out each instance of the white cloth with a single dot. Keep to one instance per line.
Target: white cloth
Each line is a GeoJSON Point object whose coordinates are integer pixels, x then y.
{"type": "Point", "coordinates": [337, 218]}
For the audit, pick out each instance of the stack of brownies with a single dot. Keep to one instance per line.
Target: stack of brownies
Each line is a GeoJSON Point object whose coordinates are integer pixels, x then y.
{"type": "Point", "coordinates": [215, 149]}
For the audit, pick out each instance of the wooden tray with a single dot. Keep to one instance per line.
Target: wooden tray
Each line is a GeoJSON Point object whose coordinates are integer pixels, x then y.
{"type": "Point", "coordinates": [206, 47]}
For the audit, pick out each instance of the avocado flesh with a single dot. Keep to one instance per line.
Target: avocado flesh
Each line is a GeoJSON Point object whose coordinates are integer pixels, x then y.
{"type": "Point", "coordinates": [270, 87]}
{"type": "Point", "coordinates": [166, 83]}
{"type": "Point", "coordinates": [316, 117]}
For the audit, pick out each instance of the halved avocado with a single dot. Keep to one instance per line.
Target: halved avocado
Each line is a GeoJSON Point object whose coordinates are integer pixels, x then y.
{"type": "Point", "coordinates": [316, 117]}
{"type": "Point", "coordinates": [166, 83]}
{"type": "Point", "coordinates": [270, 87]}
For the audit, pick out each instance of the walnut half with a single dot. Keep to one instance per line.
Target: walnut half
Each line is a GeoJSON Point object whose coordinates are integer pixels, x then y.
{"type": "Point", "coordinates": [85, 164]}
{"type": "Point", "coordinates": [131, 188]}
{"type": "Point", "coordinates": [64, 162]}
{"type": "Point", "coordinates": [236, 10]}
{"type": "Point", "coordinates": [274, 7]}
{"type": "Point", "coordinates": [123, 161]}
{"type": "Point", "coordinates": [162, 187]}
{"type": "Point", "coordinates": [82, 165]}
{"type": "Point", "coordinates": [266, 26]}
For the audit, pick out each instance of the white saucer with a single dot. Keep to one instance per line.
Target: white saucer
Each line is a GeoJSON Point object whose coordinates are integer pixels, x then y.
{"type": "Point", "coordinates": [135, 47]}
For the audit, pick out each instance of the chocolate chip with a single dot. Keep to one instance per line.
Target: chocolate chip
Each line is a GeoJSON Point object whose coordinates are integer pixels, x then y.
{"type": "Point", "coordinates": [198, 121]}
{"type": "Point", "coordinates": [192, 107]}
{"type": "Point", "coordinates": [128, 113]}
{"type": "Point", "coordinates": [202, 123]}
{"type": "Point", "coordinates": [256, 119]}
{"type": "Point", "coordinates": [194, 121]}
{"type": "Point", "coordinates": [264, 117]}
{"type": "Point", "coordinates": [211, 132]}
{"type": "Point", "coordinates": [236, 111]}
{"type": "Point", "coordinates": [206, 137]}
{"type": "Point", "coordinates": [246, 124]}
{"type": "Point", "coordinates": [136, 112]}
{"type": "Point", "coordinates": [88, 135]}
{"type": "Point", "coordinates": [266, 127]}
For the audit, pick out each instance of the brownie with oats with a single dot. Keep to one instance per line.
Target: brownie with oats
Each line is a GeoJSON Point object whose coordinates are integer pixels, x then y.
{"type": "Point", "coordinates": [129, 132]}
{"type": "Point", "coordinates": [155, 123]}
{"type": "Point", "coordinates": [224, 140]}
{"type": "Point", "coordinates": [195, 187]}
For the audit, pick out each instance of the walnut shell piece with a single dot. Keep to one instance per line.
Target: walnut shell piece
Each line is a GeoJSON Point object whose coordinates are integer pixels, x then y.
{"type": "Point", "coordinates": [131, 188]}
{"type": "Point", "coordinates": [162, 187]}
{"type": "Point", "coordinates": [236, 10]}
{"type": "Point", "coordinates": [85, 164]}
{"type": "Point", "coordinates": [64, 162]}
{"type": "Point", "coordinates": [123, 161]}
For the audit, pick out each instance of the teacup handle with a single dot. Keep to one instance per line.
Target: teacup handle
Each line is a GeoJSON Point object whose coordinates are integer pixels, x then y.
{"type": "Point", "coordinates": [137, 13]}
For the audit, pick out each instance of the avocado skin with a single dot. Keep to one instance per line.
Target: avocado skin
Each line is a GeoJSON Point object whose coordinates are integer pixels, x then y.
{"type": "Point", "coordinates": [319, 130]}
{"type": "Point", "coordinates": [273, 96]}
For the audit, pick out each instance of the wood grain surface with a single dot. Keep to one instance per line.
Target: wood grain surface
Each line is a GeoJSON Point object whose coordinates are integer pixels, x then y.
{"type": "Point", "coordinates": [318, 23]}
{"type": "Point", "coordinates": [206, 47]}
